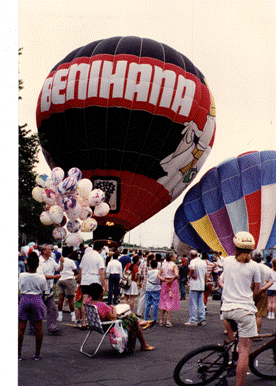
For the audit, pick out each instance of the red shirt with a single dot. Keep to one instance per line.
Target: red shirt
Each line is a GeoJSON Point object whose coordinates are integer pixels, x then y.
{"type": "Point", "coordinates": [134, 271]}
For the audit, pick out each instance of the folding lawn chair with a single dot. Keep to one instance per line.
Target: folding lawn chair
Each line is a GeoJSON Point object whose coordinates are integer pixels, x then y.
{"type": "Point", "coordinates": [95, 324]}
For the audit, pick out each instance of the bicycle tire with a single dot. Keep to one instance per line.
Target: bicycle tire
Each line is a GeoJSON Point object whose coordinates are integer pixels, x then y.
{"type": "Point", "coordinates": [201, 366]}
{"type": "Point", "coordinates": [263, 364]}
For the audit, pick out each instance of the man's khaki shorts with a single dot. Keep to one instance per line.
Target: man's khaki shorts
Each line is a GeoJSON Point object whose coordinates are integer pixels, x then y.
{"type": "Point", "coordinates": [246, 321]}
{"type": "Point", "coordinates": [67, 287]}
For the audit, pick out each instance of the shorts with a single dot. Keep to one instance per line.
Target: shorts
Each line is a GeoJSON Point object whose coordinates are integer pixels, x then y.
{"type": "Point", "coordinates": [271, 292]}
{"type": "Point", "coordinates": [31, 307]}
{"type": "Point", "coordinates": [67, 287]}
{"type": "Point", "coordinates": [78, 304]}
{"type": "Point", "coordinates": [246, 321]}
{"type": "Point", "coordinates": [261, 304]}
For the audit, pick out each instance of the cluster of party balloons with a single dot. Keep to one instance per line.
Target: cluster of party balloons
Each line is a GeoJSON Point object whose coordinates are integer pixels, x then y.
{"type": "Point", "coordinates": [68, 204]}
{"type": "Point", "coordinates": [27, 249]}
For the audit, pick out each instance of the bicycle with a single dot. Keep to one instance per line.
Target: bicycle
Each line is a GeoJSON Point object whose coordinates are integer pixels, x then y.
{"type": "Point", "coordinates": [207, 364]}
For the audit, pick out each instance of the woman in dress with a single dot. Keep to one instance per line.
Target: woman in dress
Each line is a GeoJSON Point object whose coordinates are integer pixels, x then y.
{"type": "Point", "coordinates": [132, 291]}
{"type": "Point", "coordinates": [130, 323]}
{"type": "Point", "coordinates": [169, 296]}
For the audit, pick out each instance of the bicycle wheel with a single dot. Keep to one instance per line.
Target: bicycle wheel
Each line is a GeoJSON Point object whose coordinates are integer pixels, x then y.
{"type": "Point", "coordinates": [201, 366]}
{"type": "Point", "coordinates": [263, 364]}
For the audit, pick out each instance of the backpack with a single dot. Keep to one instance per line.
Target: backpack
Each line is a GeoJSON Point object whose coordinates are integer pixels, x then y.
{"type": "Point", "coordinates": [126, 279]}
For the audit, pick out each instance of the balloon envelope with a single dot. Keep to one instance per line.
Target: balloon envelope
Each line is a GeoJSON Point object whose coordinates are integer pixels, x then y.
{"type": "Point", "coordinates": [238, 195]}
{"type": "Point", "coordinates": [138, 119]}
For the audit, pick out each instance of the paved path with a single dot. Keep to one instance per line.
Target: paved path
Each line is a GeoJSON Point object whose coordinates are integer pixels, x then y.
{"type": "Point", "coordinates": [62, 364]}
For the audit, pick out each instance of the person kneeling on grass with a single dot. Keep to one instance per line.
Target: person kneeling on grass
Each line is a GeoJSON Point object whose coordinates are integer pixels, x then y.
{"type": "Point", "coordinates": [106, 312]}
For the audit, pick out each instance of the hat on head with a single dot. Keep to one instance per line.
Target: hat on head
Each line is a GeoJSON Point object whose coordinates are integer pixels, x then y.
{"type": "Point", "coordinates": [244, 240]}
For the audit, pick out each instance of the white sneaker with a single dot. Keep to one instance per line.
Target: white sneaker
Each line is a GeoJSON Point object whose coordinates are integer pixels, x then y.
{"type": "Point", "coordinates": [272, 316]}
{"type": "Point", "coordinates": [73, 318]}
{"type": "Point", "coordinates": [59, 318]}
{"type": "Point", "coordinates": [191, 324]}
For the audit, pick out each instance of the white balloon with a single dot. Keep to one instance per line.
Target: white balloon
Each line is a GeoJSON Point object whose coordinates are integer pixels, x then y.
{"type": "Point", "coordinates": [49, 197]}
{"type": "Point", "coordinates": [96, 197]}
{"type": "Point", "coordinates": [67, 186]}
{"type": "Point", "coordinates": [84, 187]}
{"type": "Point", "coordinates": [85, 213]}
{"type": "Point", "coordinates": [45, 218]}
{"type": "Point", "coordinates": [56, 214]}
{"type": "Point", "coordinates": [89, 225]}
{"type": "Point", "coordinates": [74, 213]}
{"type": "Point", "coordinates": [43, 180]}
{"type": "Point", "coordinates": [73, 240]}
{"type": "Point", "coordinates": [59, 233]}
{"type": "Point", "coordinates": [73, 226]}
{"type": "Point", "coordinates": [75, 173]}
{"type": "Point", "coordinates": [101, 210]}
{"type": "Point", "coordinates": [57, 175]}
{"type": "Point", "coordinates": [37, 193]}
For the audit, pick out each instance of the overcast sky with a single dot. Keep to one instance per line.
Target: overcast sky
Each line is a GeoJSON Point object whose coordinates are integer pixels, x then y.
{"type": "Point", "coordinates": [232, 43]}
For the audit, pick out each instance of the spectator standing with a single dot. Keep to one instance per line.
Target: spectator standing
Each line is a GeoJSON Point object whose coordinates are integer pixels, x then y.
{"type": "Point", "coordinates": [239, 272]}
{"type": "Point", "coordinates": [132, 292]}
{"type": "Point", "coordinates": [125, 258]}
{"type": "Point", "coordinates": [260, 299]}
{"type": "Point", "coordinates": [209, 281]}
{"type": "Point", "coordinates": [92, 270]}
{"type": "Point", "coordinates": [31, 306]}
{"type": "Point", "coordinates": [142, 281]}
{"type": "Point", "coordinates": [197, 272]}
{"type": "Point", "coordinates": [271, 293]}
{"type": "Point", "coordinates": [114, 273]}
{"type": "Point", "coordinates": [169, 296]}
{"type": "Point", "coordinates": [152, 296]}
{"type": "Point", "coordinates": [56, 254]}
{"type": "Point", "coordinates": [67, 284]}
{"type": "Point", "coordinates": [183, 276]}
{"type": "Point", "coordinates": [48, 267]}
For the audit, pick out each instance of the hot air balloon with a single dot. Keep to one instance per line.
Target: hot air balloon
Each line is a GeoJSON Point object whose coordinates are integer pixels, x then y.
{"type": "Point", "coordinates": [237, 195]}
{"type": "Point", "coordinates": [136, 117]}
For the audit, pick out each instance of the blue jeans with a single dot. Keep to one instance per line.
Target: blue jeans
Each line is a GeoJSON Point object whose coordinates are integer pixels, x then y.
{"type": "Point", "coordinates": [182, 284]}
{"type": "Point", "coordinates": [113, 287]}
{"type": "Point", "coordinates": [197, 310]}
{"type": "Point", "coordinates": [152, 299]}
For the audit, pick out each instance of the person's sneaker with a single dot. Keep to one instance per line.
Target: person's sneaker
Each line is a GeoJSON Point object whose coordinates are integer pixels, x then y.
{"type": "Point", "coordinates": [59, 318]}
{"type": "Point", "coordinates": [55, 332]}
{"type": "Point", "coordinates": [203, 323]}
{"type": "Point", "coordinates": [20, 358]}
{"type": "Point", "coordinates": [36, 358]}
{"type": "Point", "coordinates": [191, 323]}
{"type": "Point", "coordinates": [73, 318]}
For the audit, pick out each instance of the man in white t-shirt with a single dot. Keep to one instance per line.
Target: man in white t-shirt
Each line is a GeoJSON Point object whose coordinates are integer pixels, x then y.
{"type": "Point", "coordinates": [92, 270]}
{"type": "Point", "coordinates": [48, 267]}
{"type": "Point", "coordinates": [197, 272]}
{"type": "Point", "coordinates": [240, 275]}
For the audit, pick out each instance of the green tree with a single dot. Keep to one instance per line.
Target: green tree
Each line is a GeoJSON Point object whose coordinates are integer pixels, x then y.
{"type": "Point", "coordinates": [30, 227]}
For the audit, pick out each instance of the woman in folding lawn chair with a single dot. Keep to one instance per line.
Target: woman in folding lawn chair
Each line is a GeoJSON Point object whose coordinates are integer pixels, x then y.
{"type": "Point", "coordinates": [130, 323]}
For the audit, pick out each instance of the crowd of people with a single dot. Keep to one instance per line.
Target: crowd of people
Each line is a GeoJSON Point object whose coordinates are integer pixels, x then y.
{"type": "Point", "coordinates": [93, 274]}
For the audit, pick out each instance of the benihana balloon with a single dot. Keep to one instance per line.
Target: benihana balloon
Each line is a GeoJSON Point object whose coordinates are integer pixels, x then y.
{"type": "Point", "coordinates": [238, 195]}
{"type": "Point", "coordinates": [138, 119]}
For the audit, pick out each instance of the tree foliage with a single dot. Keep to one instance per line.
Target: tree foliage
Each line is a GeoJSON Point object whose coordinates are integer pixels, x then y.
{"type": "Point", "coordinates": [30, 227]}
